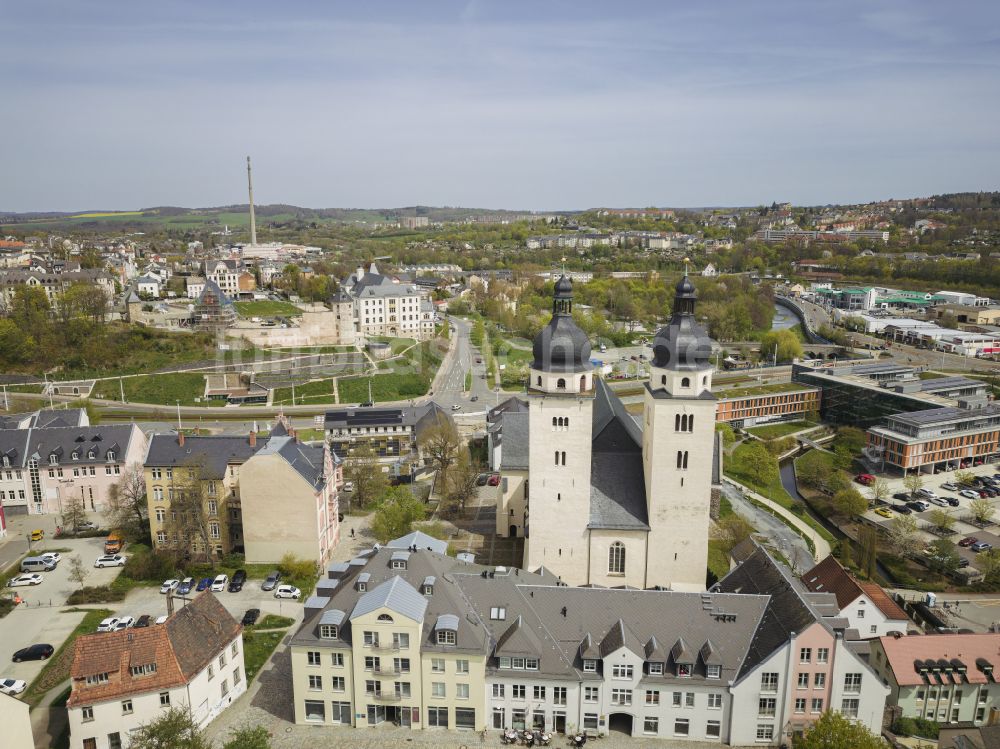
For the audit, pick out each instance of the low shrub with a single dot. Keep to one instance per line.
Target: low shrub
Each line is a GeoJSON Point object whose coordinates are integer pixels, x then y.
{"type": "Point", "coordinates": [146, 565]}
{"type": "Point", "coordinates": [927, 729]}
{"type": "Point", "coordinates": [96, 594]}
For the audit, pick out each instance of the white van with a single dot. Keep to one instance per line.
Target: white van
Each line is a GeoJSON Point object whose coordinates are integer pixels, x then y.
{"type": "Point", "coordinates": [37, 564]}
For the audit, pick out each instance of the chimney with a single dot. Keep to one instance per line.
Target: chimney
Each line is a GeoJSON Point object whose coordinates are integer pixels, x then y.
{"type": "Point", "coordinates": [180, 439]}
{"type": "Point", "coordinates": [253, 438]}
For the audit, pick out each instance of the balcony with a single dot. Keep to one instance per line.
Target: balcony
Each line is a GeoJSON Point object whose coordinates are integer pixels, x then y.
{"type": "Point", "coordinates": [386, 670]}
{"type": "Point", "coordinates": [386, 696]}
{"type": "Point", "coordinates": [388, 648]}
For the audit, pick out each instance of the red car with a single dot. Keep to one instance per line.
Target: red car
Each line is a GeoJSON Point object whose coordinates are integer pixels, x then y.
{"type": "Point", "coordinates": [865, 479]}
{"type": "Point", "coordinates": [968, 541]}
{"type": "Point", "coordinates": [494, 480]}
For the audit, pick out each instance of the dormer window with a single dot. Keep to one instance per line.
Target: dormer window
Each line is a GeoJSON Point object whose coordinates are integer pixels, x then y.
{"type": "Point", "coordinates": [445, 637]}
{"type": "Point", "coordinates": [6, 462]}
{"type": "Point", "coordinates": [384, 618]}
{"type": "Point", "coordinates": [53, 459]}
{"type": "Point", "coordinates": [684, 669]}
{"type": "Point", "coordinates": [143, 670]}
{"type": "Point", "coordinates": [91, 454]}
{"type": "Point", "coordinates": [111, 455]}
{"type": "Point", "coordinates": [328, 632]}
{"type": "Point", "coordinates": [498, 613]}
{"type": "Point", "coordinates": [446, 628]}
{"type": "Point", "coordinates": [97, 679]}
{"type": "Point", "coordinates": [589, 664]}
{"type": "Point", "coordinates": [713, 672]}
{"type": "Point", "coordinates": [656, 669]}
{"type": "Point", "coordinates": [428, 590]}
{"type": "Point", "coordinates": [362, 587]}
{"type": "Point", "coordinates": [399, 559]}
{"type": "Point", "coordinates": [428, 585]}
{"type": "Point", "coordinates": [75, 455]}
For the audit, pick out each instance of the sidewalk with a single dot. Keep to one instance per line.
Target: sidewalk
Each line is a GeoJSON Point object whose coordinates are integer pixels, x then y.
{"type": "Point", "coordinates": [820, 544]}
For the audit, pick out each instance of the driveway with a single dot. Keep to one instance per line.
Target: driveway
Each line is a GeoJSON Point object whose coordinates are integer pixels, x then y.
{"type": "Point", "coordinates": [787, 541]}
{"type": "Point", "coordinates": [41, 617]}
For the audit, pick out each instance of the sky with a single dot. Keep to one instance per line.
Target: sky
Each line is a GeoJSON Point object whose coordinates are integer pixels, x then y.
{"type": "Point", "coordinates": [541, 105]}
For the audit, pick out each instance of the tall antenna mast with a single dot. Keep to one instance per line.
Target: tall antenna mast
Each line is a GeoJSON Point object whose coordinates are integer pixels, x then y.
{"type": "Point", "coordinates": [253, 221]}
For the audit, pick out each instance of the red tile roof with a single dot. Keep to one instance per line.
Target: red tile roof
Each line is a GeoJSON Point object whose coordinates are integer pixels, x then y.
{"type": "Point", "coordinates": [830, 577]}
{"type": "Point", "coordinates": [902, 654]}
{"type": "Point", "coordinates": [179, 649]}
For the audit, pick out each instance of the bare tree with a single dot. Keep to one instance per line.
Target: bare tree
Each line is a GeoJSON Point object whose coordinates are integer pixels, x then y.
{"type": "Point", "coordinates": [365, 472]}
{"type": "Point", "coordinates": [462, 481]}
{"type": "Point", "coordinates": [902, 531]}
{"type": "Point", "coordinates": [74, 512]}
{"type": "Point", "coordinates": [127, 508]}
{"type": "Point", "coordinates": [190, 511]}
{"type": "Point", "coordinates": [880, 490]}
{"type": "Point", "coordinates": [440, 444]}
{"type": "Point", "coordinates": [77, 570]}
{"type": "Point", "coordinates": [913, 482]}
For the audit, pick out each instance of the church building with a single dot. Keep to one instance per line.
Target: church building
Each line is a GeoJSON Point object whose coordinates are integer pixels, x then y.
{"type": "Point", "coordinates": [600, 497]}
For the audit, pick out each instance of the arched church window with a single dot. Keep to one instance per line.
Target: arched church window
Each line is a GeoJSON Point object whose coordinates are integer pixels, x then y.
{"type": "Point", "coordinates": [616, 559]}
{"type": "Point", "coordinates": [686, 382]}
{"type": "Point", "coordinates": [561, 383]}
{"type": "Point", "coordinates": [663, 380]}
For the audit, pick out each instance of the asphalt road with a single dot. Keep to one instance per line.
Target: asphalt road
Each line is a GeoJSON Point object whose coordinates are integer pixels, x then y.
{"type": "Point", "coordinates": [787, 541]}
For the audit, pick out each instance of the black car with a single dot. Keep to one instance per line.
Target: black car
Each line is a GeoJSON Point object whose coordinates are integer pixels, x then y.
{"type": "Point", "coordinates": [963, 562]}
{"type": "Point", "coordinates": [953, 501]}
{"type": "Point", "coordinates": [250, 618]}
{"type": "Point", "coordinates": [902, 509]}
{"type": "Point", "coordinates": [272, 581]}
{"type": "Point", "coordinates": [236, 582]}
{"type": "Point", "coordinates": [143, 621]}
{"type": "Point", "coordinates": [901, 496]}
{"type": "Point", "coordinates": [38, 652]}
{"type": "Point", "coordinates": [482, 478]}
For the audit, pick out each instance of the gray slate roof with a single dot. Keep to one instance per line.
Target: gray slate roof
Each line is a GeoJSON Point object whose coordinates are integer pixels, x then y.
{"type": "Point", "coordinates": [216, 452]}
{"type": "Point", "coordinates": [98, 440]}
{"type": "Point", "coordinates": [514, 455]}
{"type": "Point", "coordinates": [396, 594]}
{"type": "Point", "coordinates": [306, 460]}
{"type": "Point", "coordinates": [617, 478]}
{"type": "Point", "coordinates": [421, 541]}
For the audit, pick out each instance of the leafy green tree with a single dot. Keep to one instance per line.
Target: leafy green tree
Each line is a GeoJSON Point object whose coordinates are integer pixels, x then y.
{"type": "Point", "coordinates": [880, 490]}
{"type": "Point", "coordinates": [942, 556]}
{"type": "Point", "coordinates": [16, 343]}
{"type": "Point", "coordinates": [834, 731]}
{"type": "Point", "coordinates": [941, 519]}
{"type": "Point", "coordinates": [30, 308]}
{"type": "Point", "coordinates": [732, 530]}
{"type": "Point", "coordinates": [783, 345]}
{"type": "Point", "coordinates": [249, 737]}
{"type": "Point", "coordinates": [982, 510]}
{"type": "Point", "coordinates": [964, 477]}
{"type": "Point", "coordinates": [758, 463]}
{"type": "Point", "coordinates": [913, 482]}
{"type": "Point", "coordinates": [363, 469]}
{"type": "Point", "coordinates": [988, 562]}
{"type": "Point", "coordinates": [850, 503]}
{"type": "Point", "coordinates": [902, 531]}
{"type": "Point", "coordinates": [396, 513]}
{"type": "Point", "coordinates": [174, 729]}
{"type": "Point", "coordinates": [728, 435]}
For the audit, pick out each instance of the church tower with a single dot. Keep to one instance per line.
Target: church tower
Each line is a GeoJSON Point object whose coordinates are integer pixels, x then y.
{"type": "Point", "coordinates": [560, 416]}
{"type": "Point", "coordinates": [678, 443]}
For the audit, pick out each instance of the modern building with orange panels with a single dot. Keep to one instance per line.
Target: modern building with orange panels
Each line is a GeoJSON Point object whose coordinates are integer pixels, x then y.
{"type": "Point", "coordinates": [749, 406]}
{"type": "Point", "coordinates": [938, 438]}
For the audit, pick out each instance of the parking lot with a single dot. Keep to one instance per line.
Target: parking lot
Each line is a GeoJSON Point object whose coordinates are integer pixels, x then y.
{"type": "Point", "coordinates": [961, 528]}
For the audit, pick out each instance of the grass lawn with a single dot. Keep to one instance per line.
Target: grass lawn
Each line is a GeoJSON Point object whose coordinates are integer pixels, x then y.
{"type": "Point", "coordinates": [57, 668]}
{"type": "Point", "coordinates": [257, 650]}
{"type": "Point", "coordinates": [165, 389]}
{"type": "Point", "coordinates": [273, 621]}
{"type": "Point", "coordinates": [396, 345]}
{"type": "Point", "coordinates": [390, 386]}
{"type": "Point", "coordinates": [930, 375]}
{"type": "Point", "coordinates": [320, 391]}
{"type": "Point", "coordinates": [718, 559]}
{"type": "Point", "coordinates": [776, 431]}
{"type": "Point", "coordinates": [267, 308]}
{"type": "Point", "coordinates": [777, 387]}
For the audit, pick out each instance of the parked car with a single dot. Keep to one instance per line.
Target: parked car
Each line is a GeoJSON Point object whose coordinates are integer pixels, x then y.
{"type": "Point", "coordinates": [901, 496]}
{"type": "Point", "coordinates": [883, 511]}
{"type": "Point", "coordinates": [36, 652]}
{"type": "Point", "coordinates": [185, 587]}
{"type": "Point", "coordinates": [111, 560]}
{"type": "Point", "coordinates": [52, 557]}
{"type": "Point", "coordinates": [494, 480]}
{"type": "Point", "coordinates": [865, 479]}
{"type": "Point", "coordinates": [918, 505]}
{"type": "Point", "coordinates": [12, 686]}
{"type": "Point", "coordinates": [204, 584]}
{"type": "Point", "coordinates": [236, 584]}
{"type": "Point", "coordinates": [169, 585]}
{"type": "Point", "coordinates": [953, 501]}
{"type": "Point", "coordinates": [124, 622]}
{"type": "Point", "coordinates": [271, 581]}
{"type": "Point", "coordinates": [968, 541]}
{"type": "Point", "coordinates": [108, 625]}
{"type": "Point", "coordinates": [143, 621]}
{"type": "Point", "coordinates": [981, 546]}
{"type": "Point", "coordinates": [963, 562]}
{"type": "Point", "coordinates": [456, 407]}
{"type": "Point", "coordinates": [482, 478]}
{"type": "Point", "coordinates": [925, 493]}
{"type": "Point", "coordinates": [969, 494]}
{"type": "Point", "coordinates": [30, 579]}
{"type": "Point", "coordinates": [939, 501]}
{"type": "Point", "coordinates": [37, 535]}
{"type": "Point", "coordinates": [348, 486]}
{"type": "Point", "coordinates": [474, 398]}
{"type": "Point", "coordinates": [287, 591]}
{"type": "Point", "coordinates": [902, 509]}
{"type": "Point", "coordinates": [250, 617]}
{"type": "Point", "coordinates": [220, 583]}
{"type": "Point", "coordinates": [949, 486]}
{"type": "Point", "coordinates": [87, 525]}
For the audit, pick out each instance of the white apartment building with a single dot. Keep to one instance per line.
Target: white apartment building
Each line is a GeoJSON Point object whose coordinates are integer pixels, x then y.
{"type": "Point", "coordinates": [121, 680]}
{"type": "Point", "coordinates": [384, 307]}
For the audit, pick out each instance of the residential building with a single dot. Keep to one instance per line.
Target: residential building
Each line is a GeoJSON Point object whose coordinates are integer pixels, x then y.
{"type": "Point", "coordinates": [947, 678]}
{"type": "Point", "coordinates": [148, 286]}
{"type": "Point", "coordinates": [746, 407]}
{"type": "Point", "coordinates": [937, 438]}
{"type": "Point", "coordinates": [289, 500]}
{"type": "Point", "coordinates": [414, 222]}
{"type": "Point", "coordinates": [43, 467]}
{"type": "Point", "coordinates": [867, 608]}
{"type": "Point", "coordinates": [495, 430]}
{"type": "Point", "coordinates": [193, 286]}
{"type": "Point", "coordinates": [208, 466]}
{"type": "Point", "coordinates": [605, 488]}
{"type": "Point", "coordinates": [122, 680]}
{"type": "Point", "coordinates": [393, 433]}
{"type": "Point", "coordinates": [429, 642]}
{"type": "Point", "coordinates": [383, 307]}
{"type": "Point", "coordinates": [16, 723]}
